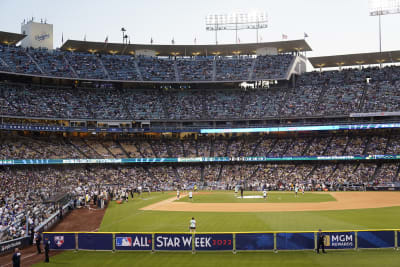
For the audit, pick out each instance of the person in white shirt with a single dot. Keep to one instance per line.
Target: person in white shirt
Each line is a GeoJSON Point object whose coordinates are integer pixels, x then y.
{"type": "Point", "coordinates": [192, 226]}
{"type": "Point", "coordinates": [177, 194]}
{"type": "Point", "coordinates": [265, 194]}
{"type": "Point", "coordinates": [190, 195]}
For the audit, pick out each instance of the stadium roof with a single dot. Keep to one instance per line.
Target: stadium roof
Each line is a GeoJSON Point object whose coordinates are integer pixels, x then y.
{"type": "Point", "coordinates": [355, 59]}
{"type": "Point", "coordinates": [9, 38]}
{"type": "Point", "coordinates": [184, 50]}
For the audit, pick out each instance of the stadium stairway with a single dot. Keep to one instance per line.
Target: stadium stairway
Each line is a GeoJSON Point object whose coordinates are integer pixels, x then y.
{"type": "Point", "coordinates": [214, 71]}
{"type": "Point", "coordinates": [176, 71]}
{"type": "Point", "coordinates": [75, 75]}
{"type": "Point", "coordinates": [138, 71]}
{"type": "Point", "coordinates": [36, 64]}
{"type": "Point", "coordinates": [103, 68]}
{"type": "Point", "coordinates": [251, 70]}
{"type": "Point", "coordinates": [360, 107]}
{"type": "Point", "coordinates": [2, 62]}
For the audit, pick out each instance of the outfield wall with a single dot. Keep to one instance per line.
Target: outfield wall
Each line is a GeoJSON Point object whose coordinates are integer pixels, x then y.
{"type": "Point", "coordinates": [244, 241]}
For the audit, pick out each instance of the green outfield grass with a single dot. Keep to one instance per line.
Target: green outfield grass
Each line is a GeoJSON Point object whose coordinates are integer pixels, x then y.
{"type": "Point", "coordinates": [128, 217]}
{"type": "Point", "coordinates": [364, 258]}
{"type": "Point", "coordinates": [272, 197]}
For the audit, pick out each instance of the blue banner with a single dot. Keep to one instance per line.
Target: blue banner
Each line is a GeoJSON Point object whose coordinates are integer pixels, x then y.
{"type": "Point", "coordinates": [304, 128]}
{"type": "Point", "coordinates": [60, 241]}
{"type": "Point", "coordinates": [339, 240]}
{"type": "Point", "coordinates": [196, 159]}
{"type": "Point", "coordinates": [213, 241]}
{"type": "Point", "coordinates": [133, 241]}
{"type": "Point", "coordinates": [375, 239]}
{"type": "Point", "coordinates": [255, 241]}
{"type": "Point", "coordinates": [95, 241]}
{"type": "Point", "coordinates": [295, 241]}
{"type": "Point", "coordinates": [173, 242]}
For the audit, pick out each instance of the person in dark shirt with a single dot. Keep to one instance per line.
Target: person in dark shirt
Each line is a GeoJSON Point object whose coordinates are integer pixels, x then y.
{"type": "Point", "coordinates": [46, 249]}
{"type": "Point", "coordinates": [321, 239]}
{"type": "Point", "coordinates": [16, 258]}
{"type": "Point", "coordinates": [38, 239]}
{"type": "Point", "coordinates": [31, 237]}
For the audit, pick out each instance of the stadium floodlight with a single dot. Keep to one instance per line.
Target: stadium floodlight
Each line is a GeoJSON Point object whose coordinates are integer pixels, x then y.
{"type": "Point", "coordinates": [380, 8]}
{"type": "Point", "coordinates": [236, 22]}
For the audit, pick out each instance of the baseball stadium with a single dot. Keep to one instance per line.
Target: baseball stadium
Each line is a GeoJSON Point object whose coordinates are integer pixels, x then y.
{"type": "Point", "coordinates": [120, 153]}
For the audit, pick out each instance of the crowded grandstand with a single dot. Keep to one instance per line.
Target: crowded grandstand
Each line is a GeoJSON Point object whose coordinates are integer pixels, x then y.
{"type": "Point", "coordinates": [82, 103]}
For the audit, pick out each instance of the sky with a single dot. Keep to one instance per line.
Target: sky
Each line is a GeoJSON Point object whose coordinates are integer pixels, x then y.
{"type": "Point", "coordinates": [334, 26]}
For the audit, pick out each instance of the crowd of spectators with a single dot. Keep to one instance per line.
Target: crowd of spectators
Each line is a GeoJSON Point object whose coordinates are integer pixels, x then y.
{"type": "Point", "coordinates": [195, 104]}
{"type": "Point", "coordinates": [24, 189]}
{"type": "Point", "coordinates": [14, 146]}
{"type": "Point", "coordinates": [129, 68]}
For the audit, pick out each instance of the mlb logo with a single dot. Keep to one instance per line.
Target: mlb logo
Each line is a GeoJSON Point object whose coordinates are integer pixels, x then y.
{"type": "Point", "coordinates": [123, 241]}
{"type": "Point", "coordinates": [59, 240]}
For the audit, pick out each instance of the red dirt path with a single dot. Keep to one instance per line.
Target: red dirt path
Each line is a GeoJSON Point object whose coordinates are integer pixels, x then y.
{"type": "Point", "coordinates": [78, 220]}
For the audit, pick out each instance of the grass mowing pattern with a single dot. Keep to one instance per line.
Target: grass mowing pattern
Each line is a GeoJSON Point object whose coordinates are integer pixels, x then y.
{"type": "Point", "coordinates": [363, 258]}
{"type": "Point", "coordinates": [128, 217]}
{"type": "Point", "coordinates": [273, 197]}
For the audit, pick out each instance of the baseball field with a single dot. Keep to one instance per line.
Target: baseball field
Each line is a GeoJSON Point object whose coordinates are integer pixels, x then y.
{"type": "Point", "coordinates": [228, 212]}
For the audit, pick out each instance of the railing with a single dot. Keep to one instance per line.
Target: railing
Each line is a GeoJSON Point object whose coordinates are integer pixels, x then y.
{"type": "Point", "coordinates": [290, 159]}
{"type": "Point", "coordinates": [54, 218]}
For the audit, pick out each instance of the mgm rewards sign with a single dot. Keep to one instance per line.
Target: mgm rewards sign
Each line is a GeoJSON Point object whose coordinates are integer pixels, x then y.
{"type": "Point", "coordinates": [339, 240]}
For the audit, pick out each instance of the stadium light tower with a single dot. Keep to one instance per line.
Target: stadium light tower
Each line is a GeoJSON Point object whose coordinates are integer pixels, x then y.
{"type": "Point", "coordinates": [236, 22]}
{"type": "Point", "coordinates": [380, 8]}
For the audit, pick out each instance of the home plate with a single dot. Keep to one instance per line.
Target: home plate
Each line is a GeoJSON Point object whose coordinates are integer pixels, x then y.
{"type": "Point", "coordinates": [251, 197]}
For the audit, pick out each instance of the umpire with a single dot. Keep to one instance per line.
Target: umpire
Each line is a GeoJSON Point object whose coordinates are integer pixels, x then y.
{"type": "Point", "coordinates": [321, 239]}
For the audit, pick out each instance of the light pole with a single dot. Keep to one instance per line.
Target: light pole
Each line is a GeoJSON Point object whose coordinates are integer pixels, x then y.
{"type": "Point", "coordinates": [123, 30]}
{"type": "Point", "coordinates": [380, 8]}
{"type": "Point", "coordinates": [236, 22]}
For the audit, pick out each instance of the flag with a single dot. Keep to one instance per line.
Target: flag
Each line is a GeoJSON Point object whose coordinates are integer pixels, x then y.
{"type": "Point", "coordinates": [305, 35]}
{"type": "Point", "coordinates": [106, 41]}
{"type": "Point", "coordinates": [284, 36]}
{"type": "Point", "coordinates": [151, 40]}
{"type": "Point", "coordinates": [173, 41]}
{"type": "Point", "coordinates": [84, 38]}
{"type": "Point", "coordinates": [62, 38]}
{"type": "Point", "coordinates": [239, 40]}
{"type": "Point", "coordinates": [195, 40]}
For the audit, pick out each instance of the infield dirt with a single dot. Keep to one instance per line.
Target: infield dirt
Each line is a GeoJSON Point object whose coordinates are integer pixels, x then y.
{"type": "Point", "coordinates": [344, 201]}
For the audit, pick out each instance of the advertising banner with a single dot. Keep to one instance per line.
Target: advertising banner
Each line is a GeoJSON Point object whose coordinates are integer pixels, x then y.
{"type": "Point", "coordinates": [95, 241]}
{"type": "Point", "coordinates": [173, 242]}
{"type": "Point", "coordinates": [295, 241]}
{"type": "Point", "coordinates": [213, 241]}
{"type": "Point", "coordinates": [375, 239]}
{"type": "Point", "coordinates": [133, 241]}
{"type": "Point", "coordinates": [60, 241]}
{"type": "Point", "coordinates": [339, 240]}
{"type": "Point", "coordinates": [255, 241]}
{"type": "Point", "coordinates": [10, 245]}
